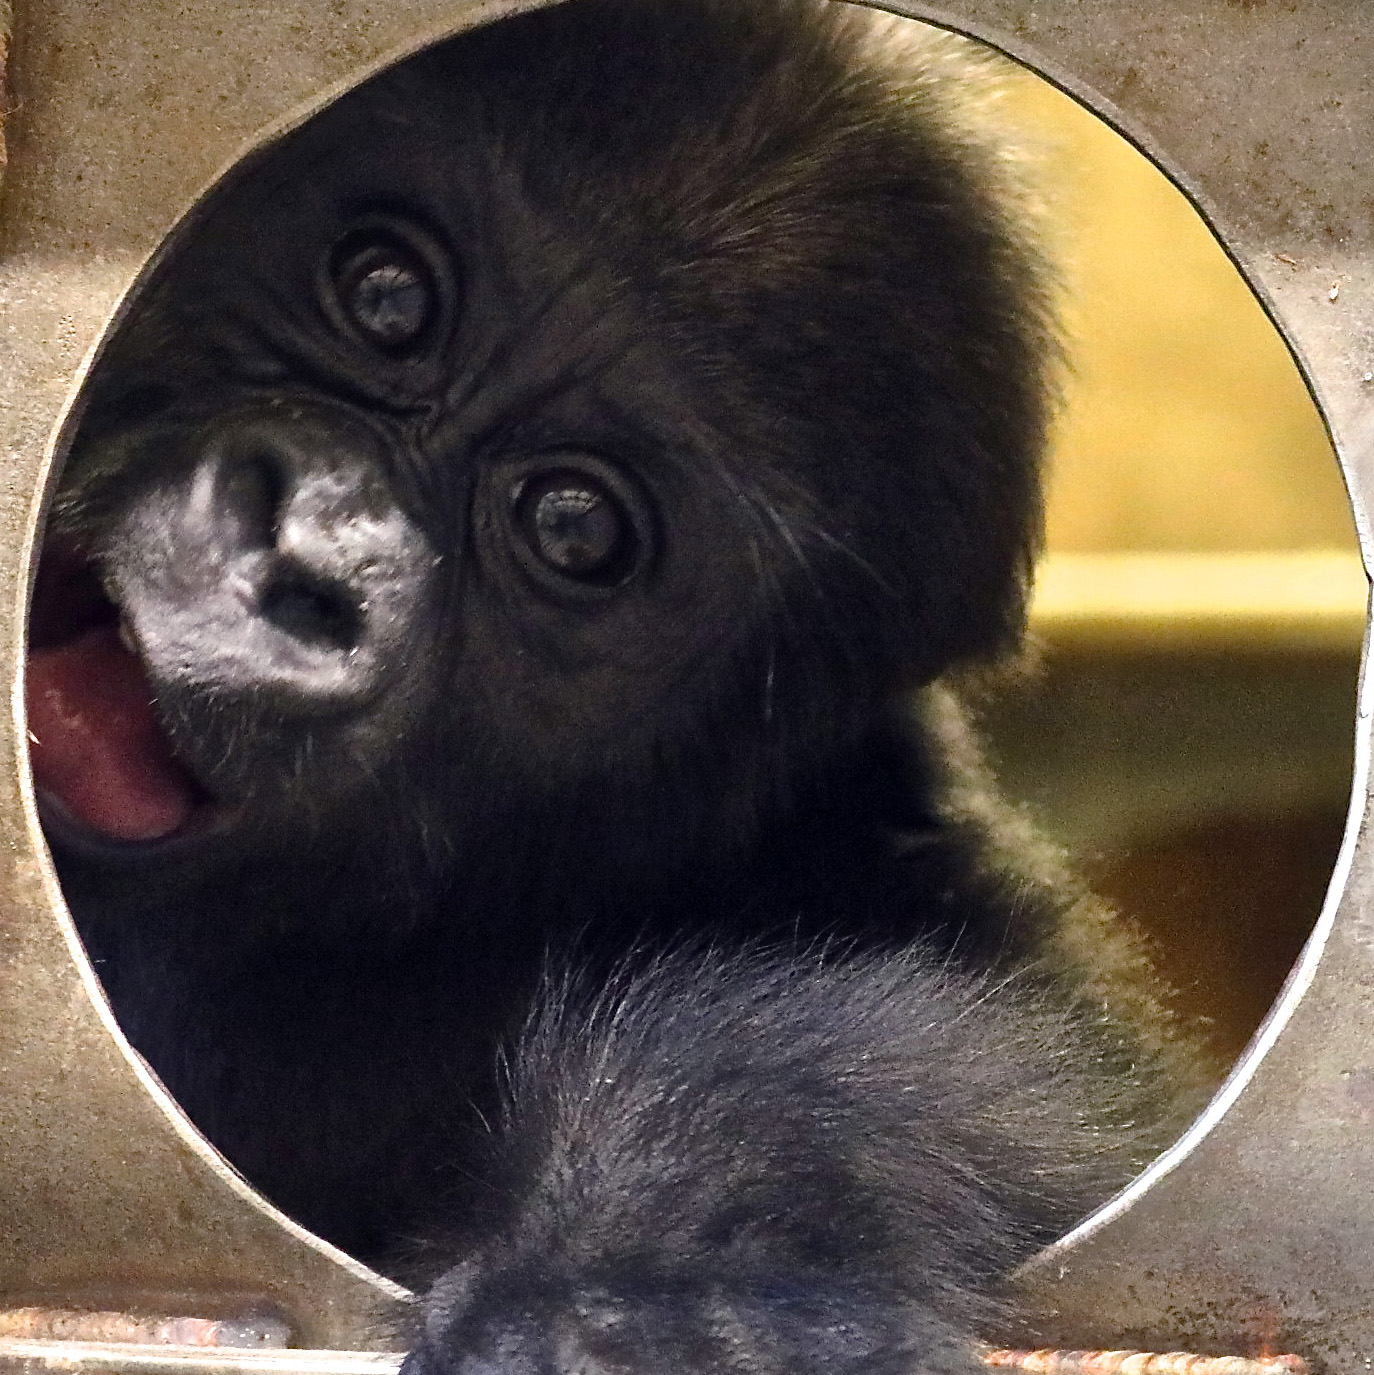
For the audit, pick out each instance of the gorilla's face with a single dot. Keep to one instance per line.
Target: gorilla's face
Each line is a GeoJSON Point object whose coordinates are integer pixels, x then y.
{"type": "Point", "coordinates": [377, 490]}
{"type": "Point", "coordinates": [494, 474]}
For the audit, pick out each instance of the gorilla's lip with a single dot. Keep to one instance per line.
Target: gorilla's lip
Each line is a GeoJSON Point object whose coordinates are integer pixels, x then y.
{"type": "Point", "coordinates": [71, 836]}
{"type": "Point", "coordinates": [105, 773]}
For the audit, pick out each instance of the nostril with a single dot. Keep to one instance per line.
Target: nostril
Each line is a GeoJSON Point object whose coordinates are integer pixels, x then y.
{"type": "Point", "coordinates": [252, 489]}
{"type": "Point", "coordinates": [319, 614]}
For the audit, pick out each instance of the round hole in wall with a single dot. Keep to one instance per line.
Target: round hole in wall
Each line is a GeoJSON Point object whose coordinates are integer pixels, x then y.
{"type": "Point", "coordinates": [300, 495]}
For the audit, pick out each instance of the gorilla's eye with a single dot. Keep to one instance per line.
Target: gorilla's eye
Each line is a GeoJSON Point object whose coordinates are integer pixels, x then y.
{"type": "Point", "coordinates": [384, 291]}
{"type": "Point", "coordinates": [576, 523]}
{"type": "Point", "coordinates": [575, 526]}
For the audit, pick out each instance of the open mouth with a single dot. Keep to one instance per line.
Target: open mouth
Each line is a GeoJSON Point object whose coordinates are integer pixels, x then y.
{"type": "Point", "coordinates": [101, 762]}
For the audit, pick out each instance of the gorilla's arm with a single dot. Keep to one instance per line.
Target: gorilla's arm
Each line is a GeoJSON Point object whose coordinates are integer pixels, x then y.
{"type": "Point", "coordinates": [755, 1165]}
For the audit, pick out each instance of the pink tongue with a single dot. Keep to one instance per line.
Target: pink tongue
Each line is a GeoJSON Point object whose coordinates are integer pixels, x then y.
{"type": "Point", "coordinates": [94, 743]}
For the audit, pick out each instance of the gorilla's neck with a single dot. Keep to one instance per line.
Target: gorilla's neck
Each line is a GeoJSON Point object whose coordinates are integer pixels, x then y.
{"type": "Point", "coordinates": [524, 888]}
{"type": "Point", "coordinates": [269, 1017]}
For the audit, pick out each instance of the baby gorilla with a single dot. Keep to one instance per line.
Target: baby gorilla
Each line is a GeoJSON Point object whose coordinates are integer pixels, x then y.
{"type": "Point", "coordinates": [486, 687]}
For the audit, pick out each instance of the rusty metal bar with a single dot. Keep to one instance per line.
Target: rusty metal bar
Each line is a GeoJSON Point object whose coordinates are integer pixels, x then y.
{"type": "Point", "coordinates": [1047, 1362]}
{"type": "Point", "coordinates": [252, 1330]}
{"type": "Point", "coordinates": [25, 1357]}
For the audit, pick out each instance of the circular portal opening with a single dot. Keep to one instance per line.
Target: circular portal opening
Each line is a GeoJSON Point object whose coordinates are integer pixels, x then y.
{"type": "Point", "coordinates": [267, 809]}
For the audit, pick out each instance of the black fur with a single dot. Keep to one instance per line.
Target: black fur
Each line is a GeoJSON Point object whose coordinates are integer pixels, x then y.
{"type": "Point", "coordinates": [806, 1042]}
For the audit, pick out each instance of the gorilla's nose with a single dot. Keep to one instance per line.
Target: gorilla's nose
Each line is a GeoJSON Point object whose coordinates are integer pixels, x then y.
{"type": "Point", "coordinates": [277, 564]}
{"type": "Point", "coordinates": [295, 522]}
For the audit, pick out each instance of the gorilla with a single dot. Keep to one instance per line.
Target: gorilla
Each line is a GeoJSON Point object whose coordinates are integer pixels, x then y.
{"type": "Point", "coordinates": [492, 692]}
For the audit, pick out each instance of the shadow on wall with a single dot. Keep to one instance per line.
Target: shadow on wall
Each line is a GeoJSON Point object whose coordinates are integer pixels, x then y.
{"type": "Point", "coordinates": [5, 17]}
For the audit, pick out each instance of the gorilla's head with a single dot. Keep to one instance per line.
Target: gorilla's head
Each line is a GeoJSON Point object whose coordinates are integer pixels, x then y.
{"type": "Point", "coordinates": [509, 466]}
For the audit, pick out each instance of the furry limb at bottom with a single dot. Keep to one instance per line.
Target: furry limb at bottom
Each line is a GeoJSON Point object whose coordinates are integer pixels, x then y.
{"type": "Point", "coordinates": [768, 1166]}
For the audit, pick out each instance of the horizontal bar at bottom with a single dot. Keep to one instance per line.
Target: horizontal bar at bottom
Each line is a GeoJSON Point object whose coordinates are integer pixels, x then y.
{"type": "Point", "coordinates": [29, 1357]}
